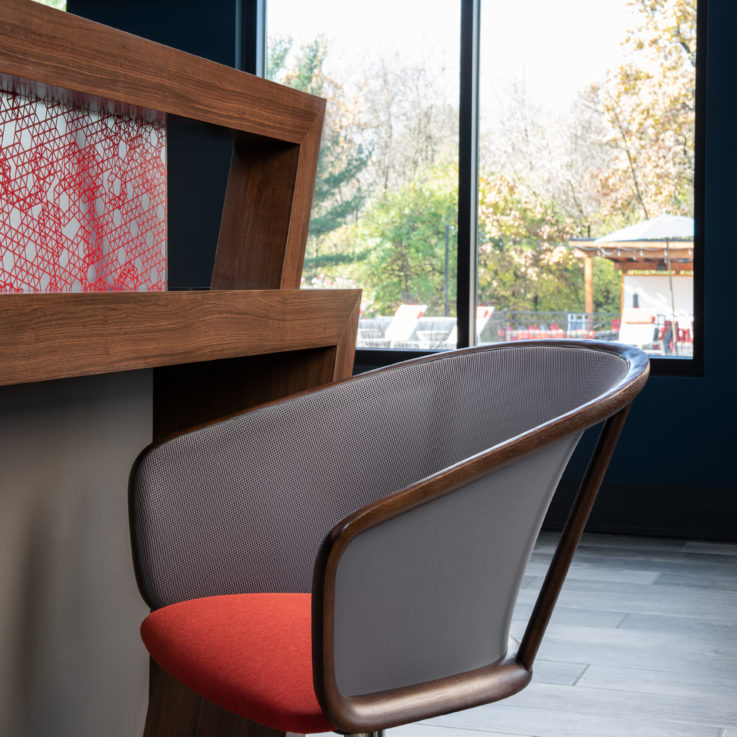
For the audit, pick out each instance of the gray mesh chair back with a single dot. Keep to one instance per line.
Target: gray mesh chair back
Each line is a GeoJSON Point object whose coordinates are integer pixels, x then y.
{"type": "Point", "coordinates": [407, 499]}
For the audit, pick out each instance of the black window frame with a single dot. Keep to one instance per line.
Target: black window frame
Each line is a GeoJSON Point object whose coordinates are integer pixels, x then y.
{"type": "Point", "coordinates": [252, 47]}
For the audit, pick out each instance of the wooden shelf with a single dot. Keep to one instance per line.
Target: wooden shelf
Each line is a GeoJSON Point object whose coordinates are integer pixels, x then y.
{"type": "Point", "coordinates": [55, 336]}
{"type": "Point", "coordinates": [275, 130]}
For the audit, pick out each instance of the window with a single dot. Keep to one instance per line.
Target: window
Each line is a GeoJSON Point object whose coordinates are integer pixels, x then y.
{"type": "Point", "coordinates": [582, 160]}
{"type": "Point", "coordinates": [58, 4]}
{"type": "Point", "coordinates": [587, 171]}
{"type": "Point", "coordinates": [386, 200]}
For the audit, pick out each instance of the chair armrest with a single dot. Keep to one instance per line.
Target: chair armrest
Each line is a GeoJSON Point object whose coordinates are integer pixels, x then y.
{"type": "Point", "coordinates": [413, 595]}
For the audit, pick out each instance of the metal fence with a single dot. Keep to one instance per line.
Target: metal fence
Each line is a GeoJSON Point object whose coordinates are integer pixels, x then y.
{"type": "Point", "coordinates": [507, 325]}
{"type": "Point", "coordinates": [504, 325]}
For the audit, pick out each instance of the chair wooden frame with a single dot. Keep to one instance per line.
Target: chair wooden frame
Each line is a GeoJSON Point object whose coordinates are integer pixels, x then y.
{"type": "Point", "coordinates": [375, 712]}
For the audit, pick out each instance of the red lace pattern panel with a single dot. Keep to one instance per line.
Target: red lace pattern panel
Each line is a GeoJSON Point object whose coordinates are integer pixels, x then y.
{"type": "Point", "coordinates": [82, 199]}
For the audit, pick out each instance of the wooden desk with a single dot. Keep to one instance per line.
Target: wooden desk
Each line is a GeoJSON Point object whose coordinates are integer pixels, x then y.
{"type": "Point", "coordinates": [213, 352]}
{"type": "Point", "coordinates": [88, 379]}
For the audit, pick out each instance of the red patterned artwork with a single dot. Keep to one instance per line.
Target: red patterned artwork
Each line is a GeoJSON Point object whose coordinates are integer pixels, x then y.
{"type": "Point", "coordinates": [82, 199]}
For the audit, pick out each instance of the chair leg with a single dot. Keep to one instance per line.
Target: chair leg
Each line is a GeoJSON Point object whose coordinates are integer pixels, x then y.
{"type": "Point", "coordinates": [175, 711]}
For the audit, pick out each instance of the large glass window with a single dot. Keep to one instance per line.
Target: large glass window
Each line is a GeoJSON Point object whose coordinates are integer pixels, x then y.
{"type": "Point", "coordinates": [386, 200]}
{"type": "Point", "coordinates": [587, 171]}
{"type": "Point", "coordinates": [585, 166]}
{"type": "Point", "coordinates": [58, 4]}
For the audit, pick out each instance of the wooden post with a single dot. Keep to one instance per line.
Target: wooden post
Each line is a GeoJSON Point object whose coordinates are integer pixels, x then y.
{"type": "Point", "coordinates": [588, 281]}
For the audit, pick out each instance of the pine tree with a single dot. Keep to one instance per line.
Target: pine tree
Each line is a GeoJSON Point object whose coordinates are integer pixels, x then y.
{"type": "Point", "coordinates": [338, 195]}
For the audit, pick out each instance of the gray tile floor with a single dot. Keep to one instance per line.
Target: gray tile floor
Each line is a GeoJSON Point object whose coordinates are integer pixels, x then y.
{"type": "Point", "coordinates": [643, 643]}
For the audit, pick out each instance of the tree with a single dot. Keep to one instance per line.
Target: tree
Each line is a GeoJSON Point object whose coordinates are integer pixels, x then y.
{"type": "Point", "coordinates": [647, 104]}
{"type": "Point", "coordinates": [343, 154]}
{"type": "Point", "coordinates": [410, 128]}
{"type": "Point", "coordinates": [624, 153]}
{"type": "Point", "coordinates": [366, 169]}
{"type": "Point", "coordinates": [524, 262]}
{"type": "Point", "coordinates": [405, 234]}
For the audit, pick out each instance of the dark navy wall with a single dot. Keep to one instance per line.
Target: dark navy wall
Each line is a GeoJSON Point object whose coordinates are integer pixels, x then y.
{"type": "Point", "coordinates": [197, 161]}
{"type": "Point", "coordinates": [674, 471]}
{"type": "Point", "coordinates": [202, 27]}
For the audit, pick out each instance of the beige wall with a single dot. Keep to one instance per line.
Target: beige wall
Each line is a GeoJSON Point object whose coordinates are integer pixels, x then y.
{"type": "Point", "coordinates": [71, 662]}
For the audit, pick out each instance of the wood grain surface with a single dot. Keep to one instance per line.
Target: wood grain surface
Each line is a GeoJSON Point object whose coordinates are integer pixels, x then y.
{"type": "Point", "coordinates": [175, 711]}
{"type": "Point", "coordinates": [54, 336]}
{"type": "Point", "coordinates": [99, 64]}
{"type": "Point", "coordinates": [216, 389]}
{"type": "Point", "coordinates": [257, 210]}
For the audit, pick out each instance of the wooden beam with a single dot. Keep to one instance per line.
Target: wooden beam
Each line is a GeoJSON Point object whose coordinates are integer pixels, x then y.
{"type": "Point", "coordinates": [256, 214]}
{"type": "Point", "coordinates": [634, 253]}
{"type": "Point", "coordinates": [54, 336]}
{"type": "Point", "coordinates": [229, 386]}
{"type": "Point", "coordinates": [46, 51]}
{"type": "Point", "coordinates": [588, 280]}
{"type": "Point", "coordinates": [652, 266]}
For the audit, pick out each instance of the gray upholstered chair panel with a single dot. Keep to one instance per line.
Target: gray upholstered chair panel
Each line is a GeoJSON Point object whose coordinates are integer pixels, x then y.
{"type": "Point", "coordinates": [243, 505]}
{"type": "Point", "coordinates": [430, 594]}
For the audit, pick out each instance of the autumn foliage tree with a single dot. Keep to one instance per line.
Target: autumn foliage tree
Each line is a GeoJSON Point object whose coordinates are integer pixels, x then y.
{"type": "Point", "coordinates": [343, 155]}
{"type": "Point", "coordinates": [405, 233]}
{"type": "Point", "coordinates": [386, 193]}
{"type": "Point", "coordinates": [524, 263]}
{"type": "Point", "coordinates": [647, 104]}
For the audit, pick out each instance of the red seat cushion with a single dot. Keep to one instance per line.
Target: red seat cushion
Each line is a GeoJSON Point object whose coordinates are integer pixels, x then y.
{"type": "Point", "coordinates": [249, 653]}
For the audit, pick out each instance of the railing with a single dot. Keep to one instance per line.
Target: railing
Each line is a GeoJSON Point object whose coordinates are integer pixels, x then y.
{"type": "Point", "coordinates": [507, 325]}
{"type": "Point", "coordinates": [433, 333]}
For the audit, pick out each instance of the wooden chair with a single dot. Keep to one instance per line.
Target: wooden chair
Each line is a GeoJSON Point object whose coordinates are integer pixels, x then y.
{"type": "Point", "coordinates": [349, 558]}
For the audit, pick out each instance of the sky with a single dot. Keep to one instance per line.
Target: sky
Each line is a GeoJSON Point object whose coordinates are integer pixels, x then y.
{"type": "Point", "coordinates": [555, 47]}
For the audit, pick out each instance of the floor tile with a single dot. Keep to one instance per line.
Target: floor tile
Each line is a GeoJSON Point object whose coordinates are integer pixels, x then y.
{"type": "Point", "coordinates": [710, 548]}
{"type": "Point", "coordinates": [709, 710]}
{"type": "Point", "coordinates": [706, 604]}
{"type": "Point", "coordinates": [568, 615]}
{"type": "Point", "coordinates": [428, 730]}
{"type": "Point", "coordinates": [562, 674]}
{"type": "Point", "coordinates": [508, 717]}
{"type": "Point", "coordinates": [596, 571]}
{"type": "Point", "coordinates": [688, 685]}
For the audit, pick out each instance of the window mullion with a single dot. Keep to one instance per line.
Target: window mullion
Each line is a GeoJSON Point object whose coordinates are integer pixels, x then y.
{"type": "Point", "coordinates": [252, 30]}
{"type": "Point", "coordinates": [468, 171]}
